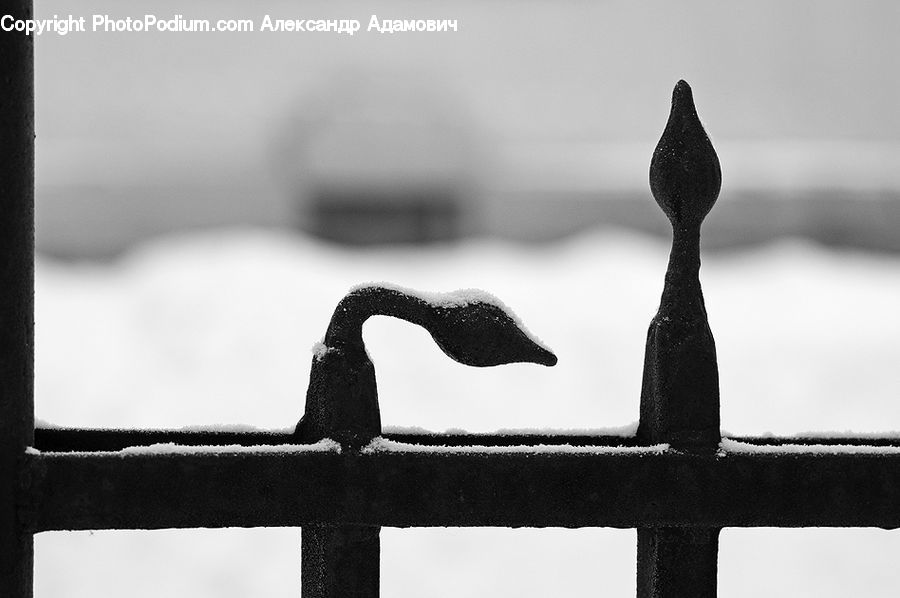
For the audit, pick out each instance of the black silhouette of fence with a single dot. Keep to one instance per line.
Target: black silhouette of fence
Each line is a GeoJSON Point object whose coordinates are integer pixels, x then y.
{"type": "Point", "coordinates": [677, 481]}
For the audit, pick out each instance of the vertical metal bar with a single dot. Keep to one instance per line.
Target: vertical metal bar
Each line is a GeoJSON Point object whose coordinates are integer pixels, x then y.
{"type": "Point", "coordinates": [680, 393]}
{"type": "Point", "coordinates": [677, 562]}
{"type": "Point", "coordinates": [341, 404]}
{"type": "Point", "coordinates": [16, 297]}
{"type": "Point", "coordinates": [341, 561]}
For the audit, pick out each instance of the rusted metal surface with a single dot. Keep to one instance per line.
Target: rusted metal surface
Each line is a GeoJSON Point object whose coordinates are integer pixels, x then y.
{"type": "Point", "coordinates": [540, 488]}
{"type": "Point", "coordinates": [16, 297]}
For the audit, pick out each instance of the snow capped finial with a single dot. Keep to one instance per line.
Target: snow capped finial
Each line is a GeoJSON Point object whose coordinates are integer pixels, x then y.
{"type": "Point", "coordinates": [470, 326]}
{"type": "Point", "coordinates": [680, 391]}
{"type": "Point", "coordinates": [684, 173]}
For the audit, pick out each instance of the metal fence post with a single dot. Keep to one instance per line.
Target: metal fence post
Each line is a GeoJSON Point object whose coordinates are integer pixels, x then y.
{"type": "Point", "coordinates": [342, 404]}
{"type": "Point", "coordinates": [680, 393]}
{"type": "Point", "coordinates": [16, 297]}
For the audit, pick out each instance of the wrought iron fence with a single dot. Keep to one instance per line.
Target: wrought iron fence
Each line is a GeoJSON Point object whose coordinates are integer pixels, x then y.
{"type": "Point", "coordinates": [678, 482]}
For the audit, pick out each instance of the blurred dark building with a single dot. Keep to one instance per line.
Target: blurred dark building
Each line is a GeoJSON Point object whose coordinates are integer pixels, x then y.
{"type": "Point", "coordinates": [377, 159]}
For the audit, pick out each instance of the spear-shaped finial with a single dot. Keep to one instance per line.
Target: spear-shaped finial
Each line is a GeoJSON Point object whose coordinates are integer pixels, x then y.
{"type": "Point", "coordinates": [680, 393]}
{"type": "Point", "coordinates": [684, 172]}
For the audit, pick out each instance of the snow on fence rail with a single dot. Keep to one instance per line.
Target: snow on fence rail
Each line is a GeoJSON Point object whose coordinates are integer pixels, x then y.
{"type": "Point", "coordinates": [341, 477]}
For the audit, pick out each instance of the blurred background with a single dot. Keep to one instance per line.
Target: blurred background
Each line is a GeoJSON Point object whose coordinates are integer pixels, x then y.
{"type": "Point", "coordinates": [204, 200]}
{"type": "Point", "coordinates": [531, 122]}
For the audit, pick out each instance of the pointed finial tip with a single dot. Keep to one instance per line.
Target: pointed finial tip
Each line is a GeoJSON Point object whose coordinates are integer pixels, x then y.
{"type": "Point", "coordinates": [682, 96]}
{"type": "Point", "coordinates": [684, 172]}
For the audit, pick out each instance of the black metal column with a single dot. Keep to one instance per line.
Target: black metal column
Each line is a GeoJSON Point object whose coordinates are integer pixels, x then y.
{"type": "Point", "coordinates": [342, 405]}
{"type": "Point", "coordinates": [674, 562]}
{"type": "Point", "coordinates": [16, 297]}
{"type": "Point", "coordinates": [680, 393]}
{"type": "Point", "coordinates": [341, 561]}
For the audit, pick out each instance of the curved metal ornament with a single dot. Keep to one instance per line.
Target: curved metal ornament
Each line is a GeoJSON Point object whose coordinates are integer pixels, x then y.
{"type": "Point", "coordinates": [472, 328]}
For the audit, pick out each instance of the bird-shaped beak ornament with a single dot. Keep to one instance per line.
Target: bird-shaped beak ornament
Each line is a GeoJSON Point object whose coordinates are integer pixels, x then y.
{"type": "Point", "coordinates": [470, 326]}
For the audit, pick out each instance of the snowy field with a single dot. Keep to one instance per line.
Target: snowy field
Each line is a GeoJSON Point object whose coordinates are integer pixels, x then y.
{"type": "Point", "coordinates": [217, 329]}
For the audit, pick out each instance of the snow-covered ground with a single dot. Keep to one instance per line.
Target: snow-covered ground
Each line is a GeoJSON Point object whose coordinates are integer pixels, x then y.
{"type": "Point", "coordinates": [217, 329]}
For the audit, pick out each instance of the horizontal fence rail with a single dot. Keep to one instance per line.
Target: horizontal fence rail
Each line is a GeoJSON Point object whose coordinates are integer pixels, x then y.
{"type": "Point", "coordinates": [68, 440]}
{"type": "Point", "coordinates": [537, 487]}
